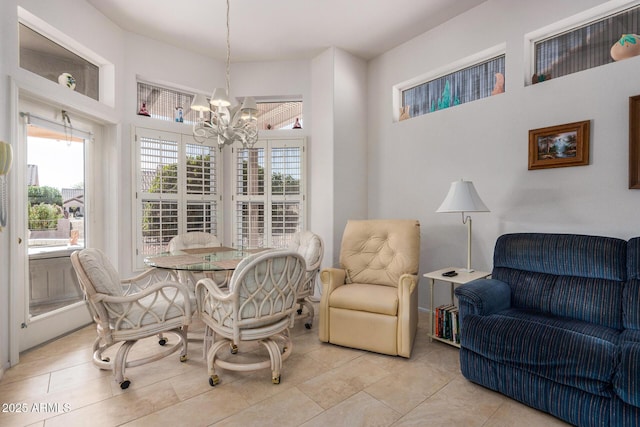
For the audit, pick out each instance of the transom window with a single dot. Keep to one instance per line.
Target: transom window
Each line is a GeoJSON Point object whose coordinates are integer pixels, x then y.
{"type": "Point", "coordinates": [54, 62]}
{"type": "Point", "coordinates": [465, 85]}
{"type": "Point", "coordinates": [583, 47]}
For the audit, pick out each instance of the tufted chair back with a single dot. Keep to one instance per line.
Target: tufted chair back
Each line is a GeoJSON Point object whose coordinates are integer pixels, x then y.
{"type": "Point", "coordinates": [192, 240]}
{"type": "Point", "coordinates": [380, 251]}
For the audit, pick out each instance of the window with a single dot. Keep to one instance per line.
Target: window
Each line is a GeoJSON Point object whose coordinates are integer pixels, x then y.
{"type": "Point", "coordinates": [50, 60]}
{"type": "Point", "coordinates": [280, 115]}
{"type": "Point", "coordinates": [165, 104]}
{"type": "Point", "coordinates": [465, 85]}
{"type": "Point", "coordinates": [55, 185]}
{"type": "Point", "coordinates": [582, 47]}
{"type": "Point", "coordinates": [269, 193]}
{"type": "Point", "coordinates": [177, 189]}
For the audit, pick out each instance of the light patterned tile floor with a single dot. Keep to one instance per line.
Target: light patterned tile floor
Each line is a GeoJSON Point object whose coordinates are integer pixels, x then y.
{"type": "Point", "coordinates": [322, 385]}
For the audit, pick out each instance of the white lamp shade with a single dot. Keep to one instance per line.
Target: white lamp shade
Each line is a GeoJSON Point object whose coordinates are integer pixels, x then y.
{"type": "Point", "coordinates": [249, 105]}
{"type": "Point", "coordinates": [219, 98]}
{"type": "Point", "coordinates": [462, 197]}
{"type": "Point", "coordinates": [200, 103]}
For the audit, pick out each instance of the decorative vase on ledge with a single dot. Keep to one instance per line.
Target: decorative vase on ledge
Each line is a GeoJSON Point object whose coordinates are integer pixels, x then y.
{"type": "Point", "coordinates": [627, 47]}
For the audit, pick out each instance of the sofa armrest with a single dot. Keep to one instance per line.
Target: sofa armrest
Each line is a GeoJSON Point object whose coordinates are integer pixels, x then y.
{"type": "Point", "coordinates": [483, 297]}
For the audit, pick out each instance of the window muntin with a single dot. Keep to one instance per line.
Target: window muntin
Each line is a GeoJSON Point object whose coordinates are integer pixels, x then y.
{"type": "Point", "coordinates": [50, 60]}
{"type": "Point", "coordinates": [466, 85]}
{"type": "Point", "coordinates": [583, 47]}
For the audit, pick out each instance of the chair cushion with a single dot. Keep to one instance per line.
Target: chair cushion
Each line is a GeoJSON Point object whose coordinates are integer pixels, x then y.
{"type": "Point", "coordinates": [308, 245]}
{"type": "Point", "coordinates": [100, 272]}
{"type": "Point", "coordinates": [192, 240]}
{"type": "Point", "coordinates": [365, 297]}
{"type": "Point", "coordinates": [147, 311]}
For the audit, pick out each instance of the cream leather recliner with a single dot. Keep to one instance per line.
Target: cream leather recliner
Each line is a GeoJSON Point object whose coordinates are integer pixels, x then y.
{"type": "Point", "coordinates": [371, 302]}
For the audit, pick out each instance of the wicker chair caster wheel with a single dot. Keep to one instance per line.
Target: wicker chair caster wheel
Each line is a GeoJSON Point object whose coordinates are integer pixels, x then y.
{"type": "Point", "coordinates": [162, 341]}
{"type": "Point", "coordinates": [125, 384]}
{"type": "Point", "coordinates": [214, 380]}
{"type": "Point", "coordinates": [233, 349]}
{"type": "Point", "coordinates": [307, 325]}
{"type": "Point", "coordinates": [299, 311]}
{"type": "Point", "coordinates": [183, 358]}
{"type": "Point", "coordinates": [276, 380]}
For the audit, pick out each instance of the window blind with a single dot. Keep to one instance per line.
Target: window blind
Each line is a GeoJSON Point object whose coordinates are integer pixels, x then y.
{"type": "Point", "coordinates": [466, 85]}
{"type": "Point", "coordinates": [585, 47]}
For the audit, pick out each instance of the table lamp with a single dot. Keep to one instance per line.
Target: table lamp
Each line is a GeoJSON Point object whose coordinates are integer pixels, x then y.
{"type": "Point", "coordinates": [463, 197]}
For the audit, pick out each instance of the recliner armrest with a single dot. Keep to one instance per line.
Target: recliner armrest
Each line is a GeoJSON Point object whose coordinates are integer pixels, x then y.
{"type": "Point", "coordinates": [331, 279]}
{"type": "Point", "coordinates": [483, 297]}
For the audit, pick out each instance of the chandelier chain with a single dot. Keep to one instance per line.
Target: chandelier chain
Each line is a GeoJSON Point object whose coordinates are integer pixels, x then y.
{"type": "Point", "coordinates": [227, 123]}
{"type": "Point", "coordinates": [228, 54]}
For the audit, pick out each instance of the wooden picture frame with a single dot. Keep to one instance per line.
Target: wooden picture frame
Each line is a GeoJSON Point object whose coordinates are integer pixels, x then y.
{"type": "Point", "coordinates": [634, 142]}
{"type": "Point", "coordinates": [559, 146]}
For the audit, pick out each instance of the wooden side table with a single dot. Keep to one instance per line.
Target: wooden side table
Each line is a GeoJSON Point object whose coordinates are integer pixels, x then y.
{"type": "Point", "coordinates": [461, 278]}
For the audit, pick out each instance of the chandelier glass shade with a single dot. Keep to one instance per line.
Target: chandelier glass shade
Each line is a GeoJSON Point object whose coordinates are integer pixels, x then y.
{"type": "Point", "coordinates": [226, 123]}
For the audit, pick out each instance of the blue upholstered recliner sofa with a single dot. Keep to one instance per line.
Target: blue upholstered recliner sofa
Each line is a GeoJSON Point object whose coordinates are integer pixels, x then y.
{"type": "Point", "coordinates": [557, 326]}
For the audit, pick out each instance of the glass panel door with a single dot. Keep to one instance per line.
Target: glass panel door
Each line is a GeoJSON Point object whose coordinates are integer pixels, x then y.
{"type": "Point", "coordinates": [56, 217]}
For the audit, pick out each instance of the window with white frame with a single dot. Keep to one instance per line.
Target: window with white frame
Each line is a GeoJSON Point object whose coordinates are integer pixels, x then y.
{"type": "Point", "coordinates": [583, 46]}
{"type": "Point", "coordinates": [269, 193]}
{"type": "Point", "coordinates": [470, 83]}
{"type": "Point", "coordinates": [177, 189]}
{"type": "Point", "coordinates": [53, 61]}
{"type": "Point", "coordinates": [280, 115]}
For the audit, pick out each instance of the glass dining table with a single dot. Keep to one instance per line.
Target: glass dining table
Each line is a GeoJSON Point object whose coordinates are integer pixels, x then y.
{"type": "Point", "coordinates": [202, 260]}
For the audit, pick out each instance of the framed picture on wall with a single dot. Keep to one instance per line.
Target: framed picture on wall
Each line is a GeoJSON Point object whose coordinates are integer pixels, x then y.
{"type": "Point", "coordinates": [559, 146]}
{"type": "Point", "coordinates": [634, 142]}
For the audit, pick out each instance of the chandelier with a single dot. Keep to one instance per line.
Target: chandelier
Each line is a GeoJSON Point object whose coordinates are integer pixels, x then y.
{"type": "Point", "coordinates": [226, 124]}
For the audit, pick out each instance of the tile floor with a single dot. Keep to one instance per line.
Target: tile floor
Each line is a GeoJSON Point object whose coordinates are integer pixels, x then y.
{"type": "Point", "coordinates": [322, 385]}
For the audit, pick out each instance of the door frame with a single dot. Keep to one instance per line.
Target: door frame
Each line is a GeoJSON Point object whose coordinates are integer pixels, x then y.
{"type": "Point", "coordinates": [107, 143]}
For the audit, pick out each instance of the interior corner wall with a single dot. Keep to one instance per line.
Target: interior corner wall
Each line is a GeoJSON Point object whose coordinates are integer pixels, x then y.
{"type": "Point", "coordinates": [320, 163]}
{"type": "Point", "coordinates": [350, 139]}
{"type": "Point", "coordinates": [339, 185]}
{"type": "Point", "coordinates": [412, 163]}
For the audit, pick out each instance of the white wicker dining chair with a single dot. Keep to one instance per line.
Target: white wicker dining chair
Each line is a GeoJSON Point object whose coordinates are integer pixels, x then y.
{"type": "Point", "coordinates": [311, 247]}
{"type": "Point", "coordinates": [197, 240]}
{"type": "Point", "coordinates": [259, 305]}
{"type": "Point", "coordinates": [125, 311]}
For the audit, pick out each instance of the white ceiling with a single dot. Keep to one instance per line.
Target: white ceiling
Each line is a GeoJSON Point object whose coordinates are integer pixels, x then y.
{"type": "Point", "coordinates": [282, 29]}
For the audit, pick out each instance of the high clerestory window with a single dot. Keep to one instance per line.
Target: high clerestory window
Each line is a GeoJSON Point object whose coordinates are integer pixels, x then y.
{"type": "Point", "coordinates": [479, 80]}
{"type": "Point", "coordinates": [583, 46]}
{"type": "Point", "coordinates": [54, 62]}
{"type": "Point", "coordinates": [172, 104]}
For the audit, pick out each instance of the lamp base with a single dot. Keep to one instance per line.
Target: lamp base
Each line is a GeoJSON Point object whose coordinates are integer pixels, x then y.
{"type": "Point", "coordinates": [466, 270]}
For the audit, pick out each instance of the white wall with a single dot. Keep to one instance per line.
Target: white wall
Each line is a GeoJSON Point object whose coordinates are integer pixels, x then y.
{"type": "Point", "coordinates": [412, 163]}
{"type": "Point", "coordinates": [339, 187]}
{"type": "Point", "coordinates": [350, 143]}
